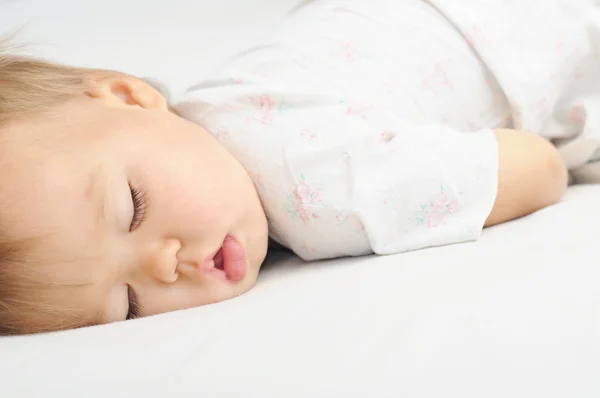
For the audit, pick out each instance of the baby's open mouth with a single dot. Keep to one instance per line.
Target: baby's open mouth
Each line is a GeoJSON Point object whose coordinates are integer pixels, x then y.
{"type": "Point", "coordinates": [218, 259]}
{"type": "Point", "coordinates": [229, 262]}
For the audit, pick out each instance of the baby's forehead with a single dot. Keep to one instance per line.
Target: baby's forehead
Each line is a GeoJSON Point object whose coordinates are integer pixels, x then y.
{"type": "Point", "coordinates": [64, 125]}
{"type": "Point", "coordinates": [39, 186]}
{"type": "Point", "coordinates": [60, 135]}
{"type": "Point", "coordinates": [27, 137]}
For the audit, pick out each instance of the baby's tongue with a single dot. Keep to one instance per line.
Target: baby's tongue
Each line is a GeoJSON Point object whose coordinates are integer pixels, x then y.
{"type": "Point", "coordinates": [234, 259]}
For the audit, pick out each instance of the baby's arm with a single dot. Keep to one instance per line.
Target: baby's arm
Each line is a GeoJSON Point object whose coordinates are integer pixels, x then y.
{"type": "Point", "coordinates": [531, 175]}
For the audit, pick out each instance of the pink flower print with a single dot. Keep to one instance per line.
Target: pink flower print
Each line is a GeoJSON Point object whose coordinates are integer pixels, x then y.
{"type": "Point", "coordinates": [435, 218]}
{"type": "Point", "coordinates": [300, 201]}
{"type": "Point", "coordinates": [265, 118]}
{"type": "Point", "coordinates": [386, 137]}
{"type": "Point", "coordinates": [453, 207]}
{"type": "Point", "coordinates": [308, 135]}
{"type": "Point", "coordinates": [577, 114]}
{"type": "Point", "coordinates": [474, 36]}
{"type": "Point", "coordinates": [266, 104]}
{"type": "Point", "coordinates": [438, 209]}
{"type": "Point", "coordinates": [341, 218]}
{"type": "Point", "coordinates": [359, 110]}
{"type": "Point", "coordinates": [438, 78]}
{"type": "Point", "coordinates": [440, 200]}
{"type": "Point", "coordinates": [350, 51]}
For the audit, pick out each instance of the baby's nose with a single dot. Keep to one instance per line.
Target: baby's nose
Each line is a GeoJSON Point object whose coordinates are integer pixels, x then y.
{"type": "Point", "coordinates": [196, 263]}
{"type": "Point", "coordinates": [162, 262]}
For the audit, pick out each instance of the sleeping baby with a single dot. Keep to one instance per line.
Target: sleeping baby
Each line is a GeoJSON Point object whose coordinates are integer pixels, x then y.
{"type": "Point", "coordinates": [358, 127]}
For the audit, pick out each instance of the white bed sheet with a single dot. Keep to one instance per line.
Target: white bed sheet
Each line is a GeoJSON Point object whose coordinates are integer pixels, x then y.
{"type": "Point", "coordinates": [515, 314]}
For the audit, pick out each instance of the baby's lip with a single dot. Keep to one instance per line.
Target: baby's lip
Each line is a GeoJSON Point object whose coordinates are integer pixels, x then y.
{"type": "Point", "coordinates": [234, 261]}
{"type": "Point", "coordinates": [227, 262]}
{"type": "Point", "coordinates": [213, 265]}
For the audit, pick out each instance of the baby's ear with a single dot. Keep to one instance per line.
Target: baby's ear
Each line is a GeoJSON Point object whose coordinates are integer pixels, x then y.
{"type": "Point", "coordinates": [118, 89]}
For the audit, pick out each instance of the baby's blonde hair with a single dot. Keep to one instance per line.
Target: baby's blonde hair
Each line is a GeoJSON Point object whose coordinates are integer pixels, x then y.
{"type": "Point", "coordinates": [29, 86]}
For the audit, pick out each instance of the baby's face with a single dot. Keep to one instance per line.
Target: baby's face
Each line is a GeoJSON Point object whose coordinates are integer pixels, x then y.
{"type": "Point", "coordinates": [132, 207]}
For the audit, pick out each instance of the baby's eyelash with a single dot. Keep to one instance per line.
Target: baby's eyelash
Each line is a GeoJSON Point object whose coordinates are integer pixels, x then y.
{"type": "Point", "coordinates": [140, 205]}
{"type": "Point", "coordinates": [134, 307]}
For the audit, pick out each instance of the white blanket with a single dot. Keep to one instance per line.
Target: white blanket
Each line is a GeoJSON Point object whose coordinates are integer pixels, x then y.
{"type": "Point", "coordinates": [516, 313]}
